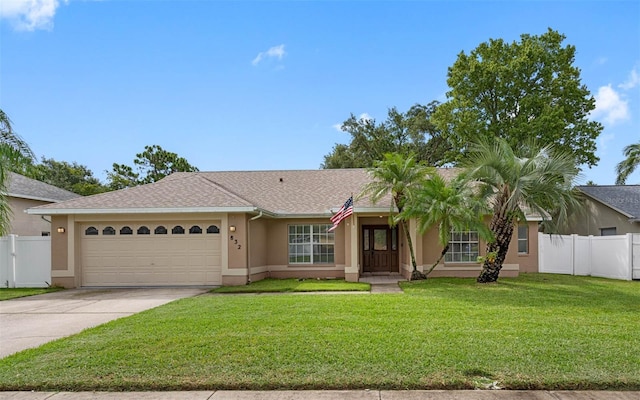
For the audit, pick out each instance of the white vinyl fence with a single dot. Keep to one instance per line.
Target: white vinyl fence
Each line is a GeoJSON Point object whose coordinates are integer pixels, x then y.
{"type": "Point", "coordinates": [25, 261]}
{"type": "Point", "coordinates": [615, 257]}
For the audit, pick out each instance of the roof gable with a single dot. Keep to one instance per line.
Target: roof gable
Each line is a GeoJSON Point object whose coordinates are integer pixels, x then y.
{"type": "Point", "coordinates": [27, 188]}
{"type": "Point", "coordinates": [622, 198]}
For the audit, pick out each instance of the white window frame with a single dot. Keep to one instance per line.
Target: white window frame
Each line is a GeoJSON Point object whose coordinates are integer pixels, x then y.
{"type": "Point", "coordinates": [524, 239]}
{"type": "Point", "coordinates": [465, 241]}
{"type": "Point", "coordinates": [305, 242]}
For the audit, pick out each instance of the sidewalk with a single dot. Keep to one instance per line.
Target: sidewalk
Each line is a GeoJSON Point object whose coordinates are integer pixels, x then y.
{"type": "Point", "coordinates": [330, 395]}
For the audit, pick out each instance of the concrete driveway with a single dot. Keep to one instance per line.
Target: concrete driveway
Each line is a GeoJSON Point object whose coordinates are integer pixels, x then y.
{"type": "Point", "coordinates": [31, 321]}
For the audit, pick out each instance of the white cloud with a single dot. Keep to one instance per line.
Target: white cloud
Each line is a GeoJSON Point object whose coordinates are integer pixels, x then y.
{"type": "Point", "coordinates": [274, 52]}
{"type": "Point", "coordinates": [29, 15]}
{"type": "Point", "coordinates": [604, 140]}
{"type": "Point", "coordinates": [632, 81]}
{"type": "Point", "coordinates": [609, 106]}
{"type": "Point", "coordinates": [337, 127]}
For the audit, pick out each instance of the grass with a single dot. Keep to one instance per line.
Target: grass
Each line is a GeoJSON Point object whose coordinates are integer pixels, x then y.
{"type": "Point", "coordinates": [12, 293]}
{"type": "Point", "coordinates": [531, 332]}
{"type": "Point", "coordinates": [295, 285]}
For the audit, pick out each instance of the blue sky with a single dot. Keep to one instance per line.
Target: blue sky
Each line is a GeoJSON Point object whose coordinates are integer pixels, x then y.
{"type": "Point", "coordinates": [262, 85]}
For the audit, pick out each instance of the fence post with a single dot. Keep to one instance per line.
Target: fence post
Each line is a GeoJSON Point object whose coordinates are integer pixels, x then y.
{"type": "Point", "coordinates": [591, 239]}
{"type": "Point", "coordinates": [540, 252]}
{"type": "Point", "coordinates": [574, 243]}
{"type": "Point", "coordinates": [630, 256]}
{"type": "Point", "coordinates": [12, 240]}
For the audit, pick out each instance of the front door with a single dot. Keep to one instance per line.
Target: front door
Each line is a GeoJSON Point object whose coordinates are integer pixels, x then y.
{"type": "Point", "coordinates": [379, 249]}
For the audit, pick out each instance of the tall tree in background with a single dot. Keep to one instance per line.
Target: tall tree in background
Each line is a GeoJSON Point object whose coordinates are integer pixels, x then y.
{"type": "Point", "coordinates": [153, 164]}
{"type": "Point", "coordinates": [403, 133]}
{"type": "Point", "coordinates": [73, 177]}
{"type": "Point", "coordinates": [540, 180]}
{"type": "Point", "coordinates": [399, 176]}
{"type": "Point", "coordinates": [629, 164]}
{"type": "Point", "coordinates": [520, 91]}
{"type": "Point", "coordinates": [12, 147]}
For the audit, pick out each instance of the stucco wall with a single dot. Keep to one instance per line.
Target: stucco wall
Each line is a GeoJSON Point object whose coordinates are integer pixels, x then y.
{"type": "Point", "coordinates": [596, 216]}
{"type": "Point", "coordinates": [278, 241]}
{"type": "Point", "coordinates": [237, 245]}
{"type": "Point", "coordinates": [23, 224]}
{"type": "Point", "coordinates": [59, 250]}
{"type": "Point", "coordinates": [258, 246]}
{"type": "Point", "coordinates": [528, 262]}
{"type": "Point", "coordinates": [431, 250]}
{"type": "Point", "coordinates": [277, 251]}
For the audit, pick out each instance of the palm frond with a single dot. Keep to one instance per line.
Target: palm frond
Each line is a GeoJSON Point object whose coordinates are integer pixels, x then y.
{"type": "Point", "coordinates": [629, 164]}
{"type": "Point", "coordinates": [537, 178]}
{"type": "Point", "coordinates": [11, 138]}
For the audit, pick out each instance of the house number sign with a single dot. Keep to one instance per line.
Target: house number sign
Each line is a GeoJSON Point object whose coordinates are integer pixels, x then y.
{"type": "Point", "coordinates": [235, 242]}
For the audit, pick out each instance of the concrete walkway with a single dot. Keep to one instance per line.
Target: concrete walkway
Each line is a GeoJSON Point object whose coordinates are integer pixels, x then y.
{"type": "Point", "coordinates": [384, 283]}
{"type": "Point", "coordinates": [29, 322]}
{"type": "Point", "coordinates": [330, 395]}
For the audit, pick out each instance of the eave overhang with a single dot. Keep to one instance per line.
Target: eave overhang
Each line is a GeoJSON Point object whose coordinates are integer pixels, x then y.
{"type": "Point", "coordinates": [175, 210]}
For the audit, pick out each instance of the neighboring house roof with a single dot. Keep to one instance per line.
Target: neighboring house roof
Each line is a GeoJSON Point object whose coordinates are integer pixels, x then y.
{"type": "Point", "coordinates": [278, 193]}
{"type": "Point", "coordinates": [27, 188]}
{"type": "Point", "coordinates": [623, 198]}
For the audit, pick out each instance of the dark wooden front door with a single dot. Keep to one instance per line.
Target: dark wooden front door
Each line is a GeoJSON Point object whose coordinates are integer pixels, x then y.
{"type": "Point", "coordinates": [379, 249]}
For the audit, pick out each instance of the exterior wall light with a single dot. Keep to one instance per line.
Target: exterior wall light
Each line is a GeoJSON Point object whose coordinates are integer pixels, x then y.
{"type": "Point", "coordinates": [61, 230]}
{"type": "Point", "coordinates": [232, 228]}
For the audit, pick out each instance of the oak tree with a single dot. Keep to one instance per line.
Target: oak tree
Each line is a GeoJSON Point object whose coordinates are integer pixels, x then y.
{"type": "Point", "coordinates": [520, 91]}
{"type": "Point", "coordinates": [408, 133]}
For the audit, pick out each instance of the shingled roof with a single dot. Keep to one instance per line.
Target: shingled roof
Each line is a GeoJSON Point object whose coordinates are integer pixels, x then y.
{"type": "Point", "coordinates": [623, 198]}
{"type": "Point", "coordinates": [282, 193]}
{"type": "Point", "coordinates": [27, 188]}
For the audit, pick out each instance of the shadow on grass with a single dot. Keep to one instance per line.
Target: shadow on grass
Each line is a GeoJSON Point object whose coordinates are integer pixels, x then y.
{"type": "Point", "coordinates": [535, 290]}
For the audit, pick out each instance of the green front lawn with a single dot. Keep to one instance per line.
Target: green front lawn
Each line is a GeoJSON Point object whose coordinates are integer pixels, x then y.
{"type": "Point", "coordinates": [10, 293]}
{"type": "Point", "coordinates": [296, 285]}
{"type": "Point", "coordinates": [533, 332]}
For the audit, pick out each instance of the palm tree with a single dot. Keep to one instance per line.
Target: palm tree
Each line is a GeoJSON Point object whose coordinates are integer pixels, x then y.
{"type": "Point", "coordinates": [629, 164]}
{"type": "Point", "coordinates": [400, 177]}
{"type": "Point", "coordinates": [12, 140]}
{"type": "Point", "coordinates": [12, 148]}
{"type": "Point", "coordinates": [538, 180]}
{"type": "Point", "coordinates": [451, 206]}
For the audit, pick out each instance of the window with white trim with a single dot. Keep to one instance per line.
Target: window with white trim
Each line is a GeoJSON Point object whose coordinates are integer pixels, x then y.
{"type": "Point", "coordinates": [311, 244]}
{"type": "Point", "coordinates": [463, 247]}
{"type": "Point", "coordinates": [523, 239]}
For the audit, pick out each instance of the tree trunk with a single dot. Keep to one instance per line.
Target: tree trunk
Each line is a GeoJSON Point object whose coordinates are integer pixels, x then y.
{"type": "Point", "coordinates": [415, 274]}
{"type": "Point", "coordinates": [444, 251]}
{"type": "Point", "coordinates": [502, 227]}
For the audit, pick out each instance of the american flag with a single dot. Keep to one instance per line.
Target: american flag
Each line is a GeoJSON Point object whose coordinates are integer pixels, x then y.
{"type": "Point", "coordinates": [343, 212]}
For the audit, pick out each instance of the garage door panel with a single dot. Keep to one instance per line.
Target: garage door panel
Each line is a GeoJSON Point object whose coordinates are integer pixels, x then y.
{"type": "Point", "coordinates": [151, 260]}
{"type": "Point", "coordinates": [179, 261]}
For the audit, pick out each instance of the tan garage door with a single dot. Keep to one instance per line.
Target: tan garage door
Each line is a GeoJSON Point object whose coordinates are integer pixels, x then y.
{"type": "Point", "coordinates": [186, 253]}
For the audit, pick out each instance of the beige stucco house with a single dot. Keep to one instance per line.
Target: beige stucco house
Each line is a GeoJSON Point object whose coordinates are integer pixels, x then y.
{"type": "Point", "coordinates": [24, 193]}
{"type": "Point", "coordinates": [608, 210]}
{"type": "Point", "coordinates": [229, 228]}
